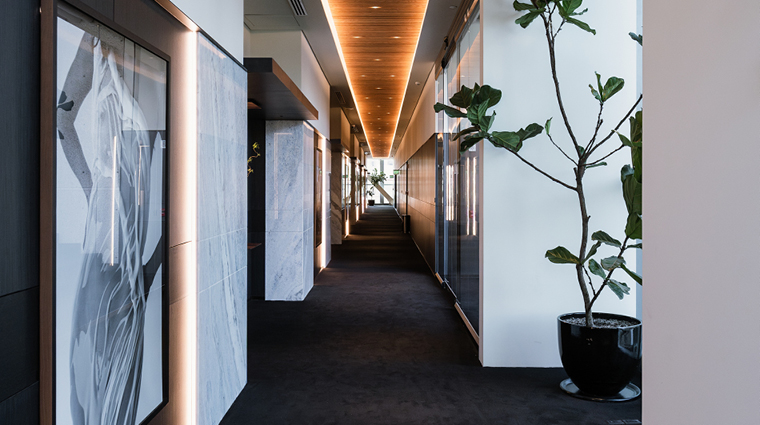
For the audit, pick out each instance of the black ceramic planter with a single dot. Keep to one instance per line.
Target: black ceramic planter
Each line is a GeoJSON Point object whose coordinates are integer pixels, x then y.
{"type": "Point", "coordinates": [371, 202]}
{"type": "Point", "coordinates": [600, 361]}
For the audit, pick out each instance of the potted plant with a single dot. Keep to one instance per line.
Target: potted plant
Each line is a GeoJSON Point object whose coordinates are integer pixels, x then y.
{"type": "Point", "coordinates": [375, 178]}
{"type": "Point", "coordinates": [600, 352]}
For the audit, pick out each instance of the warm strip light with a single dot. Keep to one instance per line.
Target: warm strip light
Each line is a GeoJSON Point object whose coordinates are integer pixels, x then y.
{"type": "Point", "coordinates": [408, 75]}
{"type": "Point", "coordinates": [334, 31]}
{"type": "Point", "coordinates": [408, 16]}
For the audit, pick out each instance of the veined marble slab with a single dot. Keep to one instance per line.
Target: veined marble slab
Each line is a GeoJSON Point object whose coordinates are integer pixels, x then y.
{"type": "Point", "coordinates": [222, 231]}
{"type": "Point", "coordinates": [289, 238]}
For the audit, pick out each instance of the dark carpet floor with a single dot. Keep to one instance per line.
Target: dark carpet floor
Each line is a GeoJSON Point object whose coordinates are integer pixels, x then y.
{"type": "Point", "coordinates": [377, 341]}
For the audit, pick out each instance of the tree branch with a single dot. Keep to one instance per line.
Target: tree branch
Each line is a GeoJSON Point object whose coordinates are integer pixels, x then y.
{"type": "Point", "coordinates": [608, 155]}
{"type": "Point", "coordinates": [552, 61]}
{"type": "Point", "coordinates": [560, 182]}
{"type": "Point", "coordinates": [609, 274]}
{"type": "Point", "coordinates": [599, 122]}
{"type": "Point", "coordinates": [614, 130]}
{"type": "Point", "coordinates": [551, 139]}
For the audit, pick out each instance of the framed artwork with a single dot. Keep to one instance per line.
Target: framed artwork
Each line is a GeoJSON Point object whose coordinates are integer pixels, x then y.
{"type": "Point", "coordinates": [110, 306]}
{"type": "Point", "coordinates": [317, 196]}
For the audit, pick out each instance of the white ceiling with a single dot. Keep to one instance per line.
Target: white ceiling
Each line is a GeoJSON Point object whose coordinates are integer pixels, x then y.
{"type": "Point", "coordinates": [272, 15]}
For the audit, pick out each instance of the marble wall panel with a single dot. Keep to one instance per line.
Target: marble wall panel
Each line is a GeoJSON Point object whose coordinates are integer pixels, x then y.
{"type": "Point", "coordinates": [222, 354]}
{"type": "Point", "coordinates": [222, 232]}
{"type": "Point", "coordinates": [289, 226]}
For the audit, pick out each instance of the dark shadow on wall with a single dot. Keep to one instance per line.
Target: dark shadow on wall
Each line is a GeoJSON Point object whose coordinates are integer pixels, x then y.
{"type": "Point", "coordinates": [19, 212]}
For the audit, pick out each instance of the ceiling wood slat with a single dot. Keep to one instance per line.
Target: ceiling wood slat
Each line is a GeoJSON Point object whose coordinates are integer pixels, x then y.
{"type": "Point", "coordinates": [378, 38]}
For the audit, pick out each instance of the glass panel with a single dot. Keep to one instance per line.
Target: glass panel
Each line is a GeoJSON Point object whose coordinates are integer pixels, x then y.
{"type": "Point", "coordinates": [458, 251]}
{"type": "Point", "coordinates": [110, 179]}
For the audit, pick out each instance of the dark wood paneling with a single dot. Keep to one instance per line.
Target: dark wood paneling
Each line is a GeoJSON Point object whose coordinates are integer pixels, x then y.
{"type": "Point", "coordinates": [20, 349]}
{"type": "Point", "coordinates": [277, 96]}
{"type": "Point", "coordinates": [421, 174]}
{"type": "Point", "coordinates": [19, 163]}
{"type": "Point", "coordinates": [22, 407]}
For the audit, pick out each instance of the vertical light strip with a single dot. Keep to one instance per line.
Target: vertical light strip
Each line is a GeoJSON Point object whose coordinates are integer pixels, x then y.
{"type": "Point", "coordinates": [187, 352]}
{"type": "Point", "coordinates": [325, 202]}
{"type": "Point", "coordinates": [113, 198]}
{"type": "Point", "coordinates": [474, 196]}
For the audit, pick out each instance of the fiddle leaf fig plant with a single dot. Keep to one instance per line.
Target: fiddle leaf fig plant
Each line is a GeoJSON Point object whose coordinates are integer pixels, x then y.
{"type": "Point", "coordinates": [592, 274]}
{"type": "Point", "coordinates": [375, 178]}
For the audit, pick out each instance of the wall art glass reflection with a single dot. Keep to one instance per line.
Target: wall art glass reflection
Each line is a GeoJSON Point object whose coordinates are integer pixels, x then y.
{"type": "Point", "coordinates": [111, 118]}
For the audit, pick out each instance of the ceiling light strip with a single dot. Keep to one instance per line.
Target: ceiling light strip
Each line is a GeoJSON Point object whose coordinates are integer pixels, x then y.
{"type": "Point", "coordinates": [408, 78]}
{"type": "Point", "coordinates": [334, 31]}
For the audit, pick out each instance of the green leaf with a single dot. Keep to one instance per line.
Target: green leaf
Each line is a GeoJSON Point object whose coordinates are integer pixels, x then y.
{"type": "Point", "coordinates": [506, 139]}
{"type": "Point", "coordinates": [619, 288]}
{"type": "Point", "coordinates": [635, 276]}
{"type": "Point", "coordinates": [612, 86]}
{"type": "Point", "coordinates": [581, 150]}
{"type": "Point", "coordinates": [569, 6]}
{"type": "Point", "coordinates": [462, 98]}
{"type": "Point", "coordinates": [596, 269]}
{"type": "Point", "coordinates": [624, 140]}
{"type": "Point", "coordinates": [472, 115]}
{"type": "Point", "coordinates": [482, 109]}
{"type": "Point", "coordinates": [631, 192]}
{"type": "Point", "coordinates": [605, 238]}
{"type": "Point", "coordinates": [525, 20]}
{"type": "Point", "coordinates": [580, 24]}
{"type": "Point", "coordinates": [610, 263]}
{"type": "Point", "coordinates": [487, 121]}
{"type": "Point", "coordinates": [595, 93]}
{"type": "Point", "coordinates": [560, 255]}
{"type": "Point", "coordinates": [592, 251]}
{"type": "Point", "coordinates": [601, 164]}
{"type": "Point", "coordinates": [522, 6]}
{"type": "Point", "coordinates": [633, 226]}
{"type": "Point", "coordinates": [532, 130]}
{"type": "Point", "coordinates": [548, 125]}
{"type": "Point", "coordinates": [637, 38]}
{"type": "Point", "coordinates": [487, 93]}
{"type": "Point", "coordinates": [637, 245]}
{"type": "Point", "coordinates": [470, 141]}
{"type": "Point", "coordinates": [448, 110]}
{"type": "Point", "coordinates": [466, 131]}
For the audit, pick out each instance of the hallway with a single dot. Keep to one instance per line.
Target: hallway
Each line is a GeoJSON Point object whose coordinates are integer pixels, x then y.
{"type": "Point", "coordinates": [378, 342]}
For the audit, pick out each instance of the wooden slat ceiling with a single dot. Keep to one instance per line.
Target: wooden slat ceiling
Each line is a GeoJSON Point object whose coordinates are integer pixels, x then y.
{"type": "Point", "coordinates": [378, 38]}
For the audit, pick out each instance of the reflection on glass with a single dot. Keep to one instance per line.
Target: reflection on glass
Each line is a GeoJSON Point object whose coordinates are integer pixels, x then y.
{"type": "Point", "coordinates": [111, 140]}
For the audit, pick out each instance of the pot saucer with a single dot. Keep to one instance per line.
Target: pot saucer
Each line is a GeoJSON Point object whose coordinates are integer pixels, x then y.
{"type": "Point", "coordinates": [630, 392]}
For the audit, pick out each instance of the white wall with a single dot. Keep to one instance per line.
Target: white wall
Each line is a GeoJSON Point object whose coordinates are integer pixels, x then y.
{"type": "Point", "coordinates": [292, 52]}
{"type": "Point", "coordinates": [524, 214]}
{"type": "Point", "coordinates": [421, 125]}
{"type": "Point", "coordinates": [221, 19]}
{"type": "Point", "coordinates": [702, 209]}
{"type": "Point", "coordinates": [314, 85]}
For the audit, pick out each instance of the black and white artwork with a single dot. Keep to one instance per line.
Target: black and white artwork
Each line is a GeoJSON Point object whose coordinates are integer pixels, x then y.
{"type": "Point", "coordinates": [111, 141]}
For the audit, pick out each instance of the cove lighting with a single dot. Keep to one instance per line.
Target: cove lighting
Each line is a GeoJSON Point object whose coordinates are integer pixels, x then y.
{"type": "Point", "coordinates": [350, 19]}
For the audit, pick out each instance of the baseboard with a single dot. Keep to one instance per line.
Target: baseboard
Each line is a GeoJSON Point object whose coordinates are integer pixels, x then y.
{"type": "Point", "coordinates": [467, 323]}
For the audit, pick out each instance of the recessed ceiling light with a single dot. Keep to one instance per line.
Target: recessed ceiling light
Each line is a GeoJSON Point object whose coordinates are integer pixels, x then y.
{"type": "Point", "coordinates": [374, 7]}
{"type": "Point", "coordinates": [396, 37]}
{"type": "Point", "coordinates": [393, 75]}
{"type": "Point", "coordinates": [357, 36]}
{"type": "Point", "coordinates": [377, 88]}
{"type": "Point", "coordinates": [377, 60]}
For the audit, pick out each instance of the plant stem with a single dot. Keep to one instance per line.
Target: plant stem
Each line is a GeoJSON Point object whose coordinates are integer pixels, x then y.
{"type": "Point", "coordinates": [614, 130]}
{"type": "Point", "coordinates": [552, 61]}
{"type": "Point", "coordinates": [558, 181]}
{"type": "Point", "coordinates": [584, 240]}
{"type": "Point", "coordinates": [623, 247]}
